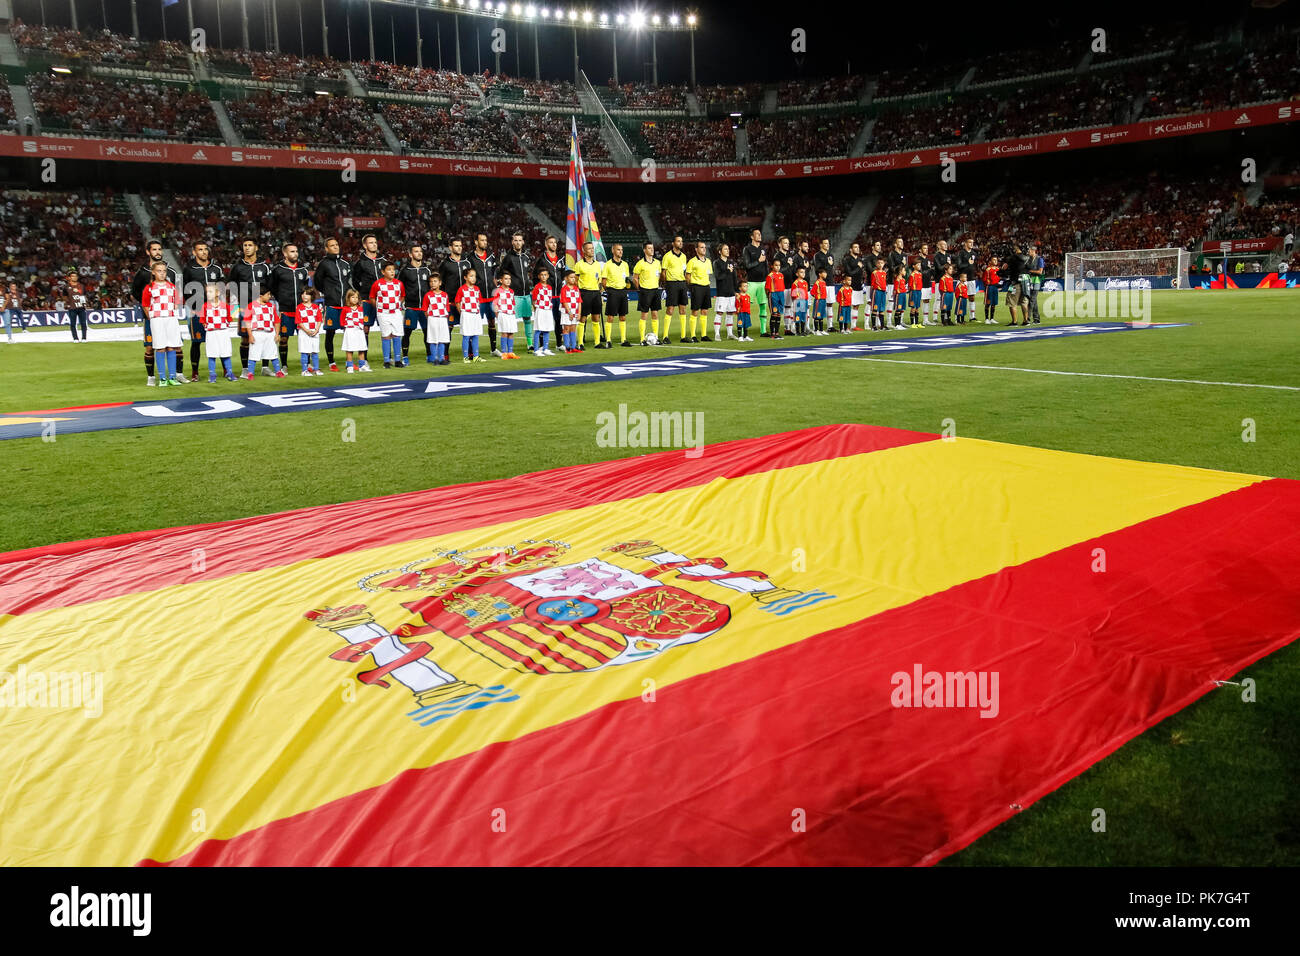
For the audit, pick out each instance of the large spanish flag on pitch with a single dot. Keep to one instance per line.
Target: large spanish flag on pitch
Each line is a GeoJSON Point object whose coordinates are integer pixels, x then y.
{"type": "Point", "coordinates": [840, 645]}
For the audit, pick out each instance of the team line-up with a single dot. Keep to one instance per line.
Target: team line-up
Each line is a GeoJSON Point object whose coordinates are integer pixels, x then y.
{"type": "Point", "coordinates": [786, 293]}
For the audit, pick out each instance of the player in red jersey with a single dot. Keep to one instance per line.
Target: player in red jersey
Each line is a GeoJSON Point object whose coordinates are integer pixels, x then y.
{"type": "Point", "coordinates": [992, 282]}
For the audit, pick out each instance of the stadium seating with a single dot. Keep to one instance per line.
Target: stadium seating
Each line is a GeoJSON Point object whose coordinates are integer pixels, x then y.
{"type": "Point", "coordinates": [43, 235]}
{"type": "Point", "coordinates": [547, 135]}
{"type": "Point", "coordinates": [802, 136]}
{"type": "Point", "coordinates": [284, 119]}
{"type": "Point", "coordinates": [8, 119]}
{"type": "Point", "coordinates": [122, 107]}
{"type": "Point", "coordinates": [938, 125]}
{"type": "Point", "coordinates": [275, 66]}
{"type": "Point", "coordinates": [690, 141]}
{"type": "Point", "coordinates": [1169, 211]}
{"type": "Point", "coordinates": [411, 79]}
{"type": "Point", "coordinates": [99, 47]}
{"type": "Point", "coordinates": [642, 97]}
{"type": "Point", "coordinates": [521, 92]}
{"type": "Point", "coordinates": [436, 129]}
{"type": "Point", "coordinates": [835, 89]}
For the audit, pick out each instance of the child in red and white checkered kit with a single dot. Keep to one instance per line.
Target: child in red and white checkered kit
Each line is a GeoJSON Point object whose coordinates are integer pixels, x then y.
{"type": "Point", "coordinates": [389, 296]}
{"type": "Point", "coordinates": [503, 303]}
{"type": "Point", "coordinates": [471, 317]}
{"type": "Point", "coordinates": [437, 307]}
{"type": "Point", "coordinates": [355, 340]}
{"type": "Point", "coordinates": [543, 311]}
{"type": "Point", "coordinates": [309, 318]}
{"type": "Point", "coordinates": [216, 331]}
{"type": "Point", "coordinates": [571, 312]}
{"type": "Point", "coordinates": [263, 319]}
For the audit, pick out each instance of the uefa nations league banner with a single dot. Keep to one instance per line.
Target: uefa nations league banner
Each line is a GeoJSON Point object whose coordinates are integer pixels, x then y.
{"type": "Point", "coordinates": [53, 318]}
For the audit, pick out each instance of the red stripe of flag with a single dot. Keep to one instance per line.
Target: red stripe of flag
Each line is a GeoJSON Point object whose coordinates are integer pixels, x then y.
{"type": "Point", "coordinates": [718, 768]}
{"type": "Point", "coordinates": [76, 572]}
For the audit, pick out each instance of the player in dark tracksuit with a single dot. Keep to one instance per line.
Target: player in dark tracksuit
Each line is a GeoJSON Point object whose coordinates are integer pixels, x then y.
{"type": "Point", "coordinates": [287, 280]}
{"type": "Point", "coordinates": [143, 277]}
{"type": "Point", "coordinates": [516, 265]}
{"type": "Point", "coordinates": [414, 277]}
{"type": "Point", "coordinates": [452, 271]}
{"type": "Point", "coordinates": [484, 264]}
{"type": "Point", "coordinates": [195, 276]}
{"type": "Point", "coordinates": [332, 279]}
{"type": "Point", "coordinates": [248, 275]}
{"type": "Point", "coordinates": [366, 271]}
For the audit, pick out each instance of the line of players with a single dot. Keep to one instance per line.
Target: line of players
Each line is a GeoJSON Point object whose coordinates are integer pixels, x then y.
{"type": "Point", "coordinates": [271, 302]}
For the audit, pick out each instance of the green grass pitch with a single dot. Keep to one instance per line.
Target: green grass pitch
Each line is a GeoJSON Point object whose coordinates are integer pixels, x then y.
{"type": "Point", "coordinates": [1213, 785]}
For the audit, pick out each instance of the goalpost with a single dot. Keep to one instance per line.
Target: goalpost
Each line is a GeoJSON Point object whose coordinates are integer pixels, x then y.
{"type": "Point", "coordinates": [1127, 268]}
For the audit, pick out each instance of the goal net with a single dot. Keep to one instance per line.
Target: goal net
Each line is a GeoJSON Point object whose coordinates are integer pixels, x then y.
{"type": "Point", "coordinates": [1127, 268]}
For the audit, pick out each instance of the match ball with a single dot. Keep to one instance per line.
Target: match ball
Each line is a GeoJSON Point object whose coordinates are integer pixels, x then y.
{"type": "Point", "coordinates": [652, 339]}
{"type": "Point", "coordinates": [1091, 274]}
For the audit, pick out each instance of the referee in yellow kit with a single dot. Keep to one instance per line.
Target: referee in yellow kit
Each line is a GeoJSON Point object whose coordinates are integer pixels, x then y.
{"type": "Point", "coordinates": [674, 263]}
{"type": "Point", "coordinates": [699, 273]}
{"type": "Point", "coordinates": [614, 280]}
{"type": "Point", "coordinates": [588, 270]}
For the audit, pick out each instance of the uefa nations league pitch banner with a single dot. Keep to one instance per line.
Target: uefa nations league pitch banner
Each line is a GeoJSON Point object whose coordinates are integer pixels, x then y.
{"type": "Point", "coordinates": [667, 659]}
{"type": "Point", "coordinates": [206, 402]}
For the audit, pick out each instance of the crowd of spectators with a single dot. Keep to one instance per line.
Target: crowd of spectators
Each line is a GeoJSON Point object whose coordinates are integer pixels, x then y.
{"type": "Point", "coordinates": [912, 79]}
{"type": "Point", "coordinates": [643, 96]}
{"type": "Point", "coordinates": [514, 89]}
{"type": "Point", "coordinates": [918, 218]}
{"type": "Point", "coordinates": [802, 136]}
{"type": "Point", "coordinates": [431, 129]}
{"type": "Point", "coordinates": [547, 135]}
{"type": "Point", "coordinates": [834, 89]}
{"type": "Point", "coordinates": [690, 141]}
{"type": "Point", "coordinates": [44, 234]}
{"type": "Point", "coordinates": [413, 79]}
{"type": "Point", "coordinates": [620, 219]}
{"type": "Point", "coordinates": [267, 65]}
{"type": "Point", "coordinates": [1044, 58]}
{"type": "Point", "coordinates": [285, 119]}
{"type": "Point", "coordinates": [810, 217]}
{"type": "Point", "coordinates": [1217, 80]}
{"type": "Point", "coordinates": [735, 94]}
{"type": "Point", "coordinates": [939, 125]}
{"type": "Point", "coordinates": [1170, 211]}
{"type": "Point", "coordinates": [126, 107]}
{"type": "Point", "coordinates": [101, 46]}
{"type": "Point", "coordinates": [1277, 213]}
{"type": "Point", "coordinates": [704, 219]}
{"type": "Point", "coordinates": [1060, 217]}
{"type": "Point", "coordinates": [8, 118]}
{"type": "Point", "coordinates": [1097, 99]}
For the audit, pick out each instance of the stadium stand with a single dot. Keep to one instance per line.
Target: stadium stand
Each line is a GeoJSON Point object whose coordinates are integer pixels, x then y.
{"type": "Point", "coordinates": [284, 119]}
{"type": "Point", "coordinates": [802, 136]}
{"type": "Point", "coordinates": [440, 130]}
{"type": "Point", "coordinates": [412, 79]}
{"type": "Point", "coordinates": [835, 89]}
{"type": "Point", "coordinates": [44, 234]}
{"type": "Point", "coordinates": [99, 47]}
{"type": "Point", "coordinates": [121, 106]}
{"type": "Point", "coordinates": [690, 141]}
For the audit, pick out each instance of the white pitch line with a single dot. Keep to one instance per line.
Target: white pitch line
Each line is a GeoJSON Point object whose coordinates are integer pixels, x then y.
{"type": "Point", "coordinates": [1049, 371]}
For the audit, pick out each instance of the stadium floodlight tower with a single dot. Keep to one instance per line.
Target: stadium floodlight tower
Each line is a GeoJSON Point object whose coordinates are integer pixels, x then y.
{"type": "Point", "coordinates": [1127, 268]}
